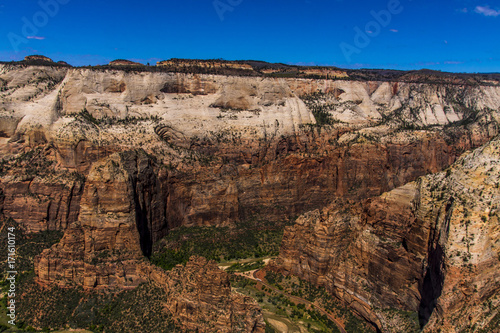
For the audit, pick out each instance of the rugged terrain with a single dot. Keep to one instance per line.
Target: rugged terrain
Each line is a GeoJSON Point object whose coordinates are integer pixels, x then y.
{"type": "Point", "coordinates": [241, 138]}
{"type": "Point", "coordinates": [430, 246]}
{"type": "Point", "coordinates": [117, 156]}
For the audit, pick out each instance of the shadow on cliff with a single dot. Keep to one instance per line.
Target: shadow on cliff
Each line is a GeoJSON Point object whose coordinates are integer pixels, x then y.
{"type": "Point", "coordinates": [147, 196]}
{"type": "Point", "coordinates": [143, 226]}
{"type": "Point", "coordinates": [432, 286]}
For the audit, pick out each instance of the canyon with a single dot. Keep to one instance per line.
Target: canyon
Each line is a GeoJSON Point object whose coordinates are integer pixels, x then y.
{"type": "Point", "coordinates": [429, 246]}
{"type": "Point", "coordinates": [118, 157]}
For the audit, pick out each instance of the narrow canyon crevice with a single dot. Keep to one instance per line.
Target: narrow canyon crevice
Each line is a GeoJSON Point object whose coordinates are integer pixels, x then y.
{"type": "Point", "coordinates": [432, 285]}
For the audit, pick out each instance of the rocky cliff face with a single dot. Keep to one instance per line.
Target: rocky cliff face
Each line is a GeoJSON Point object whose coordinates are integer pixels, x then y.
{"type": "Point", "coordinates": [116, 158]}
{"type": "Point", "coordinates": [430, 246]}
{"type": "Point", "coordinates": [120, 209]}
{"type": "Point", "coordinates": [241, 138]}
{"type": "Point", "coordinates": [212, 64]}
{"type": "Point", "coordinates": [121, 215]}
{"type": "Point", "coordinates": [200, 298]}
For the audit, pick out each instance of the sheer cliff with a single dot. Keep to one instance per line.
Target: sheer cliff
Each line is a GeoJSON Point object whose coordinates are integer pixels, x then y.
{"type": "Point", "coordinates": [429, 246]}
{"type": "Point", "coordinates": [116, 158]}
{"type": "Point", "coordinates": [229, 143]}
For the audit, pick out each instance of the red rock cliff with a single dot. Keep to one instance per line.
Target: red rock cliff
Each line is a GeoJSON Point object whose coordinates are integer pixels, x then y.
{"type": "Point", "coordinates": [429, 246]}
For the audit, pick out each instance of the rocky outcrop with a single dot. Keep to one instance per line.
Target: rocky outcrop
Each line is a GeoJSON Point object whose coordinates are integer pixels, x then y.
{"type": "Point", "coordinates": [197, 104]}
{"type": "Point", "coordinates": [430, 246]}
{"type": "Point", "coordinates": [121, 215]}
{"type": "Point", "coordinates": [314, 170]}
{"type": "Point", "coordinates": [195, 63]}
{"type": "Point", "coordinates": [36, 193]}
{"type": "Point", "coordinates": [461, 286]}
{"type": "Point", "coordinates": [200, 298]}
{"type": "Point", "coordinates": [123, 62]}
{"type": "Point", "coordinates": [37, 57]}
{"type": "Point", "coordinates": [39, 205]}
{"type": "Point", "coordinates": [216, 149]}
{"type": "Point", "coordinates": [242, 138]}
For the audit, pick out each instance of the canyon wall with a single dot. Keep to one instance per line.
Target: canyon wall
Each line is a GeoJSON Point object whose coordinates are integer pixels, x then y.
{"type": "Point", "coordinates": [121, 214]}
{"type": "Point", "coordinates": [229, 144]}
{"type": "Point", "coordinates": [117, 158]}
{"type": "Point", "coordinates": [430, 246]}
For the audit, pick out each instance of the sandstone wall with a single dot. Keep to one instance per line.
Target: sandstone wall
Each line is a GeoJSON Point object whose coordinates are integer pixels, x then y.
{"type": "Point", "coordinates": [429, 246]}
{"type": "Point", "coordinates": [234, 147]}
{"type": "Point", "coordinates": [121, 215]}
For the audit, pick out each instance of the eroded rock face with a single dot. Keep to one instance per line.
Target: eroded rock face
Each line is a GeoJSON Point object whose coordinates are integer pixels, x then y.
{"type": "Point", "coordinates": [121, 215]}
{"type": "Point", "coordinates": [36, 193]}
{"type": "Point", "coordinates": [37, 57]}
{"type": "Point", "coordinates": [194, 63]}
{"type": "Point", "coordinates": [200, 298]}
{"type": "Point", "coordinates": [230, 143]}
{"type": "Point", "coordinates": [43, 98]}
{"type": "Point", "coordinates": [356, 251]}
{"type": "Point", "coordinates": [430, 246]}
{"type": "Point", "coordinates": [225, 148]}
{"type": "Point", "coordinates": [39, 205]}
{"type": "Point", "coordinates": [462, 282]}
{"type": "Point", "coordinates": [124, 62]}
{"type": "Point", "coordinates": [314, 170]}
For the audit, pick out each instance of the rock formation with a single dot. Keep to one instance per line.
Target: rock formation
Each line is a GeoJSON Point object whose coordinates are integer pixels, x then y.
{"type": "Point", "coordinates": [243, 137]}
{"type": "Point", "coordinates": [429, 246]}
{"type": "Point", "coordinates": [116, 158]}
{"type": "Point", "coordinates": [194, 63]}
{"type": "Point", "coordinates": [37, 57]}
{"type": "Point", "coordinates": [123, 62]}
{"type": "Point", "coordinates": [200, 298]}
{"type": "Point", "coordinates": [121, 215]}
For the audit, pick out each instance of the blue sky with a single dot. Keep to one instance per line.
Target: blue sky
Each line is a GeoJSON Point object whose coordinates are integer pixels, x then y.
{"type": "Point", "coordinates": [453, 35]}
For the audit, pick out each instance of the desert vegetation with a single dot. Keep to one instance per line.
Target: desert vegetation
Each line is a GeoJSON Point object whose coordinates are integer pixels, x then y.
{"type": "Point", "coordinates": [137, 310]}
{"type": "Point", "coordinates": [300, 288]}
{"type": "Point", "coordinates": [251, 239]}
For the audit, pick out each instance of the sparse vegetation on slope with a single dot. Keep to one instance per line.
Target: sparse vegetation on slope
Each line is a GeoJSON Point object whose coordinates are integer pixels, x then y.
{"type": "Point", "coordinates": [28, 246]}
{"type": "Point", "coordinates": [300, 288]}
{"type": "Point", "coordinates": [320, 108]}
{"type": "Point", "coordinates": [137, 310]}
{"type": "Point", "coordinates": [253, 239]}
{"type": "Point", "coordinates": [281, 312]}
{"type": "Point", "coordinates": [34, 162]}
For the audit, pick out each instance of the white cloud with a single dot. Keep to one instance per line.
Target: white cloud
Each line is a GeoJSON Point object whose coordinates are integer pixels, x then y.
{"type": "Point", "coordinates": [394, 30]}
{"type": "Point", "coordinates": [36, 37]}
{"type": "Point", "coordinates": [487, 11]}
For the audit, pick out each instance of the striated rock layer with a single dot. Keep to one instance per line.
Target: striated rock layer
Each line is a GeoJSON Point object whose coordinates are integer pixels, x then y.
{"type": "Point", "coordinates": [121, 214]}
{"type": "Point", "coordinates": [200, 298]}
{"type": "Point", "coordinates": [228, 143]}
{"type": "Point", "coordinates": [116, 158]}
{"type": "Point", "coordinates": [120, 208]}
{"type": "Point", "coordinates": [430, 246]}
